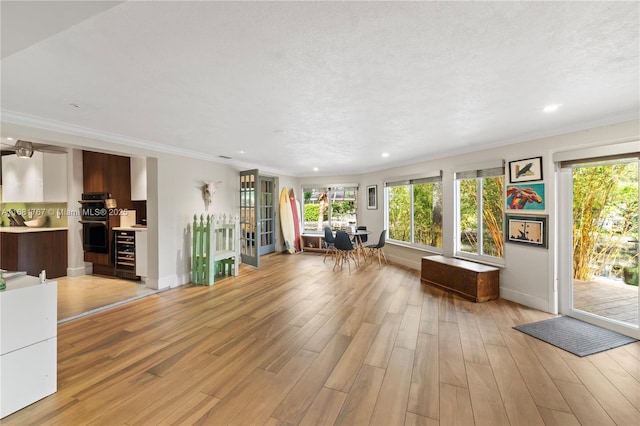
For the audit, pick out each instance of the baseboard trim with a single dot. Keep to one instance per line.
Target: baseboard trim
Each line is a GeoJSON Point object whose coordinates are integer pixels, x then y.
{"type": "Point", "coordinates": [524, 299]}
{"type": "Point", "coordinates": [79, 271]}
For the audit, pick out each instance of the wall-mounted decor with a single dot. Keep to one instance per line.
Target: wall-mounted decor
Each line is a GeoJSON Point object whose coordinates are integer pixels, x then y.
{"type": "Point", "coordinates": [525, 197]}
{"type": "Point", "coordinates": [529, 230]}
{"type": "Point", "coordinates": [372, 197]}
{"type": "Point", "coordinates": [525, 170]}
{"type": "Point", "coordinates": [208, 189]}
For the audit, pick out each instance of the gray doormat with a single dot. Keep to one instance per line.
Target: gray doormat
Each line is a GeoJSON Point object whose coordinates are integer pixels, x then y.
{"type": "Point", "coordinates": [575, 336]}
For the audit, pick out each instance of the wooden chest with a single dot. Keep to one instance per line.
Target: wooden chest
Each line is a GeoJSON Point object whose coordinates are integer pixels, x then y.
{"type": "Point", "coordinates": [471, 280]}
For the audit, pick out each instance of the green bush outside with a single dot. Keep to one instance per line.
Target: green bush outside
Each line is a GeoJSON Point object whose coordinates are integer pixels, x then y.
{"type": "Point", "coordinates": [311, 212]}
{"type": "Point", "coordinates": [630, 275]}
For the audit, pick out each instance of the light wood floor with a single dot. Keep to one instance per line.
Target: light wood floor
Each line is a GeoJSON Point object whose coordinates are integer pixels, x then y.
{"type": "Point", "coordinates": [296, 343]}
{"type": "Point", "coordinates": [86, 293]}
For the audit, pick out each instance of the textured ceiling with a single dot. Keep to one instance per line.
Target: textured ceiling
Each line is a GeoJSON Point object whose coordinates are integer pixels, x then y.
{"type": "Point", "coordinates": [289, 86]}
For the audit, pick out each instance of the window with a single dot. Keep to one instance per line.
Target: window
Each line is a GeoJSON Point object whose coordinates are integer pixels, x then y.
{"type": "Point", "coordinates": [334, 206]}
{"type": "Point", "coordinates": [414, 211]}
{"type": "Point", "coordinates": [480, 200]}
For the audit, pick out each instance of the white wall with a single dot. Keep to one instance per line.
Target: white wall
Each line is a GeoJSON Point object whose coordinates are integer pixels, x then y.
{"type": "Point", "coordinates": [528, 277]}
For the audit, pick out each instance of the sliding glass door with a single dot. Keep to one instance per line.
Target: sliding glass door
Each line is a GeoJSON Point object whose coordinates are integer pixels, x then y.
{"type": "Point", "coordinates": [599, 241]}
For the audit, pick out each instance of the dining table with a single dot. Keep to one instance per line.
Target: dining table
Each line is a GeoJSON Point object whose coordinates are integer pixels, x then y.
{"type": "Point", "coordinates": [356, 237]}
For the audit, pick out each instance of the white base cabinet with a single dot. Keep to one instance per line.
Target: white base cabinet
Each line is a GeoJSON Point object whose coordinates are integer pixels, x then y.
{"type": "Point", "coordinates": [28, 347]}
{"type": "Point", "coordinates": [141, 254]}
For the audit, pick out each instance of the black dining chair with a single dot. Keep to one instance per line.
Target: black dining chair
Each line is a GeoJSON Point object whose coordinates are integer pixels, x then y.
{"type": "Point", "coordinates": [328, 242]}
{"type": "Point", "coordinates": [344, 250]}
{"type": "Point", "coordinates": [363, 238]}
{"type": "Point", "coordinates": [377, 248]}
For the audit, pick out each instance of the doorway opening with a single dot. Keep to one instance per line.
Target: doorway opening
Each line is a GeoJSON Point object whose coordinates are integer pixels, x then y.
{"type": "Point", "coordinates": [602, 218]}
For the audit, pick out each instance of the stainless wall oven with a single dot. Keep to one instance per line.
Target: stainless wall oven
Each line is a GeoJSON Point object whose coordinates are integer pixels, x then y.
{"type": "Point", "coordinates": [94, 213]}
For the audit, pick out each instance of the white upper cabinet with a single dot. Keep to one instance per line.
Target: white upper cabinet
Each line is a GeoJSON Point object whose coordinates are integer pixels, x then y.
{"type": "Point", "coordinates": [22, 178]}
{"type": "Point", "coordinates": [55, 177]}
{"type": "Point", "coordinates": [138, 178]}
{"type": "Point", "coordinates": [43, 177]}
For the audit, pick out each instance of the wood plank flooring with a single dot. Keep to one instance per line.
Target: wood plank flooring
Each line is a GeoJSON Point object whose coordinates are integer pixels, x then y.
{"type": "Point", "coordinates": [295, 343]}
{"type": "Point", "coordinates": [613, 300]}
{"type": "Point", "coordinates": [86, 293]}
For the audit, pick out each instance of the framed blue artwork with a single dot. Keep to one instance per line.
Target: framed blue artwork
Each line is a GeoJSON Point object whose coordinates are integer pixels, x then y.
{"type": "Point", "coordinates": [525, 197]}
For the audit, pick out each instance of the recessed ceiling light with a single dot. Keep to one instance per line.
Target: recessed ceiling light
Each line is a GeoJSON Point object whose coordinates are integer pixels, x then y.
{"type": "Point", "coordinates": [315, 169]}
{"type": "Point", "coordinates": [9, 139]}
{"type": "Point", "coordinates": [385, 154]}
{"type": "Point", "coordinates": [241, 152]}
{"type": "Point", "coordinates": [551, 108]}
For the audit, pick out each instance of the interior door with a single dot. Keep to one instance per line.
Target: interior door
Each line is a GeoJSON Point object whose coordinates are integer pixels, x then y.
{"type": "Point", "coordinates": [249, 217]}
{"type": "Point", "coordinates": [266, 224]}
{"type": "Point", "coordinates": [599, 241]}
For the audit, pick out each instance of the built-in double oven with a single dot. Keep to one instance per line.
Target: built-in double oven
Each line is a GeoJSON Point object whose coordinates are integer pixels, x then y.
{"type": "Point", "coordinates": [94, 214]}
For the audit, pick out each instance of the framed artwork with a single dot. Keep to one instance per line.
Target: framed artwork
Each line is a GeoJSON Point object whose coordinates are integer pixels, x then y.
{"type": "Point", "coordinates": [528, 230]}
{"type": "Point", "coordinates": [372, 197]}
{"type": "Point", "coordinates": [525, 170]}
{"type": "Point", "coordinates": [525, 197]}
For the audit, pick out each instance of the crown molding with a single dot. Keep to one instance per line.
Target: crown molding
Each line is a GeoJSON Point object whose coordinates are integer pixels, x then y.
{"type": "Point", "coordinates": [27, 120]}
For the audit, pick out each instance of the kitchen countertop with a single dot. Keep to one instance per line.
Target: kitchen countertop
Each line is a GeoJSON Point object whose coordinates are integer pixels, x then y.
{"type": "Point", "coordinates": [25, 229]}
{"type": "Point", "coordinates": [22, 282]}
{"type": "Point", "coordinates": [130, 228]}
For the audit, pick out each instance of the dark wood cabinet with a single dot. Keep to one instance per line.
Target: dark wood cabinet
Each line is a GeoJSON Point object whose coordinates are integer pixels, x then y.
{"type": "Point", "coordinates": [471, 280]}
{"type": "Point", "coordinates": [35, 251]}
{"type": "Point", "coordinates": [107, 173]}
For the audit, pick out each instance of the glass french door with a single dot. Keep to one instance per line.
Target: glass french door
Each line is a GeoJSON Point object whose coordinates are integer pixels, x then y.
{"type": "Point", "coordinates": [257, 216]}
{"type": "Point", "coordinates": [267, 225]}
{"type": "Point", "coordinates": [249, 220]}
{"type": "Point", "coordinates": [599, 241]}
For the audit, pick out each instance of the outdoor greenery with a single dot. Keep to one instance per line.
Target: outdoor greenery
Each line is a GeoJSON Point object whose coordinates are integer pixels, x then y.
{"type": "Point", "coordinates": [491, 189]}
{"type": "Point", "coordinates": [311, 212]}
{"type": "Point", "coordinates": [427, 213]}
{"type": "Point", "coordinates": [605, 221]}
{"type": "Point", "coordinates": [334, 207]}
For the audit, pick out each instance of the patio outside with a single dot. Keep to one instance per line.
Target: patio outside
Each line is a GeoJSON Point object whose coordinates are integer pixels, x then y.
{"type": "Point", "coordinates": [605, 234]}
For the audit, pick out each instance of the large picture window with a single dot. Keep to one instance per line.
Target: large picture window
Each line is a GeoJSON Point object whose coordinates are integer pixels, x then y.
{"type": "Point", "coordinates": [480, 202]}
{"type": "Point", "coordinates": [414, 211]}
{"type": "Point", "coordinates": [333, 205]}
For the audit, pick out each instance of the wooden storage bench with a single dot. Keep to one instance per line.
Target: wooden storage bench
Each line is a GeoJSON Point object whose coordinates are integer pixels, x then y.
{"type": "Point", "coordinates": [468, 279]}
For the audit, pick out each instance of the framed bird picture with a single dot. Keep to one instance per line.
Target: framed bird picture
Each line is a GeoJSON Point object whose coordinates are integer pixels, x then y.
{"type": "Point", "coordinates": [525, 170]}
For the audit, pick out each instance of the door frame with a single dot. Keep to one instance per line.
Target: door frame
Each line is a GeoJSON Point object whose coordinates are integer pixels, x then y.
{"type": "Point", "coordinates": [564, 254]}
{"type": "Point", "coordinates": [249, 226]}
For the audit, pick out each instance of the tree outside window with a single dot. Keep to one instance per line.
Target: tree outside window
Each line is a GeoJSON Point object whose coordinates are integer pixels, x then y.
{"type": "Point", "coordinates": [414, 213]}
{"type": "Point", "coordinates": [331, 206]}
{"type": "Point", "coordinates": [480, 215]}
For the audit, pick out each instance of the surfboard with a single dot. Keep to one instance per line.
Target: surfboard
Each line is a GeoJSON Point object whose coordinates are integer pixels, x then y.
{"type": "Point", "coordinates": [286, 221]}
{"type": "Point", "coordinates": [295, 212]}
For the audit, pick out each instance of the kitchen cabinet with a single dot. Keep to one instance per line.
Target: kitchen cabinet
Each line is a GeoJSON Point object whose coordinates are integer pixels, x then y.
{"type": "Point", "coordinates": [28, 348]}
{"type": "Point", "coordinates": [141, 253]}
{"type": "Point", "coordinates": [112, 174]}
{"type": "Point", "coordinates": [22, 178]}
{"type": "Point", "coordinates": [34, 249]}
{"type": "Point", "coordinates": [138, 178]}
{"type": "Point", "coordinates": [41, 178]}
{"type": "Point", "coordinates": [54, 178]}
{"type": "Point", "coordinates": [131, 252]}
{"type": "Point", "coordinates": [126, 253]}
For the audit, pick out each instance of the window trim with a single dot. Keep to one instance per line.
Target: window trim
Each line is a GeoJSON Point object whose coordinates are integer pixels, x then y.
{"type": "Point", "coordinates": [430, 177]}
{"type": "Point", "coordinates": [354, 185]}
{"type": "Point", "coordinates": [480, 172]}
